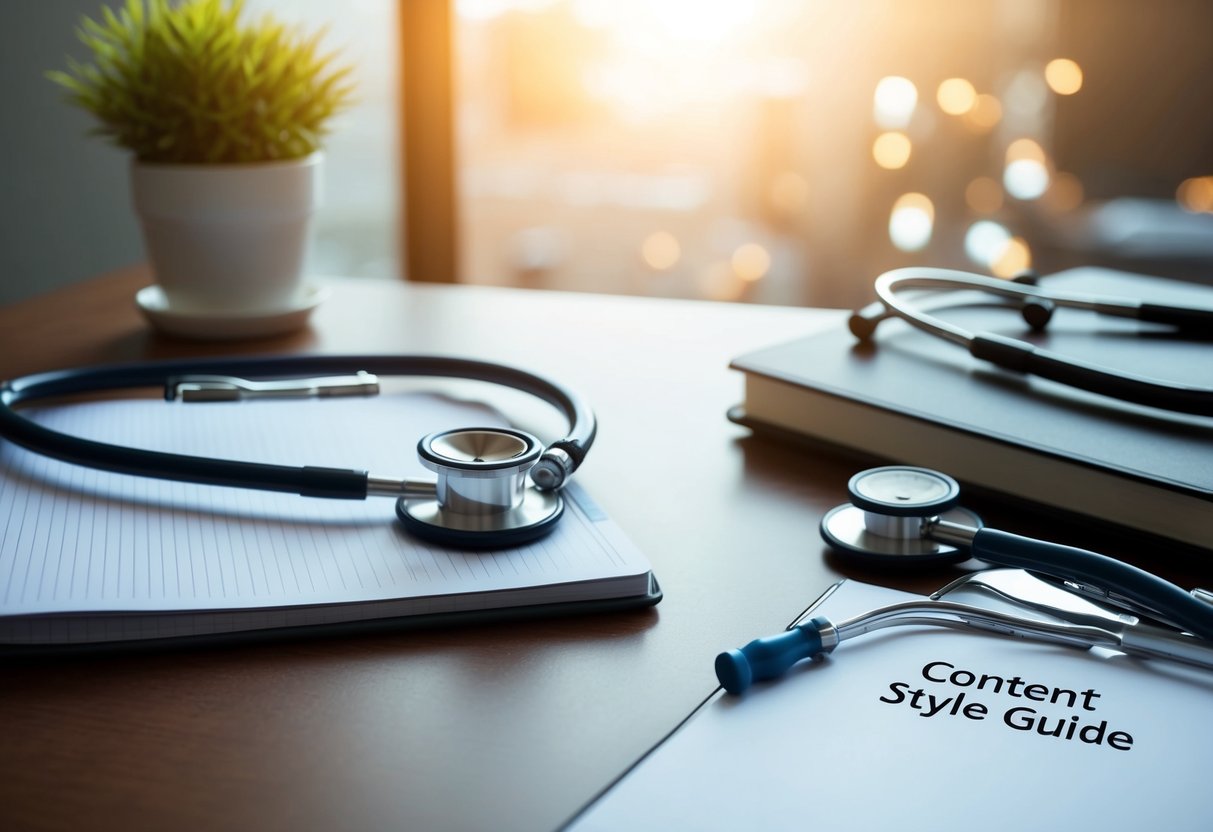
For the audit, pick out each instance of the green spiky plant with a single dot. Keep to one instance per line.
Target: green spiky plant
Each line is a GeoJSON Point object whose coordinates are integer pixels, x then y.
{"type": "Point", "coordinates": [192, 83]}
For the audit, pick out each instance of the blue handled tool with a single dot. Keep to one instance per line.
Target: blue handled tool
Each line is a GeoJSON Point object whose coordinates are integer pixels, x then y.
{"type": "Point", "coordinates": [769, 658]}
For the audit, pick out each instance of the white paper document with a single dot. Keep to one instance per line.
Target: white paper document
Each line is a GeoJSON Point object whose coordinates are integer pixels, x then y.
{"type": "Point", "coordinates": [87, 555]}
{"type": "Point", "coordinates": [923, 728]}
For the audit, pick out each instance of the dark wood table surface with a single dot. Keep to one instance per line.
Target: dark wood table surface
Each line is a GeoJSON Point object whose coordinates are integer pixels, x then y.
{"type": "Point", "coordinates": [481, 727]}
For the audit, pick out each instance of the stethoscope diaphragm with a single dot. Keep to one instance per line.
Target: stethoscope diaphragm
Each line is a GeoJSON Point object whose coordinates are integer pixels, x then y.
{"type": "Point", "coordinates": [884, 520]}
{"type": "Point", "coordinates": [481, 496]}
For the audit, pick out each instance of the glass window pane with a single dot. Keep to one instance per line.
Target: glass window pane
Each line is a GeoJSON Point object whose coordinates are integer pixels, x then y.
{"type": "Point", "coordinates": [357, 228]}
{"type": "Point", "coordinates": [788, 151]}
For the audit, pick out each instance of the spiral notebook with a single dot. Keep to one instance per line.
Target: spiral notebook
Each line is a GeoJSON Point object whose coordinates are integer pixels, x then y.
{"type": "Point", "coordinates": [91, 557]}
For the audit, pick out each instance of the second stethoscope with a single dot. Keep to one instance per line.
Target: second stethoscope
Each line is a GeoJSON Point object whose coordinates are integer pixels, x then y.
{"type": "Point", "coordinates": [902, 515]}
{"type": "Point", "coordinates": [1037, 306]}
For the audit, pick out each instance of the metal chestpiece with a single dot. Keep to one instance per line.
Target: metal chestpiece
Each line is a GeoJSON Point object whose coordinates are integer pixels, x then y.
{"type": "Point", "coordinates": [481, 498]}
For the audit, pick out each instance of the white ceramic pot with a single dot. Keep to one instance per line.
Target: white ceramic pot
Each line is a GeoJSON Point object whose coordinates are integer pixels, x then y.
{"type": "Point", "coordinates": [228, 239]}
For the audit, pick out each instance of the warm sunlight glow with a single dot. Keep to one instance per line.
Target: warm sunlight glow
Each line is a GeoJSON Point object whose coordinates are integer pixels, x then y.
{"type": "Point", "coordinates": [1063, 76]}
{"type": "Point", "coordinates": [789, 193]}
{"type": "Point", "coordinates": [1014, 258]}
{"type": "Point", "coordinates": [989, 244]}
{"type": "Point", "coordinates": [894, 102]}
{"type": "Point", "coordinates": [751, 262]}
{"type": "Point", "coordinates": [985, 242]}
{"type": "Point", "coordinates": [698, 21]}
{"type": "Point", "coordinates": [1027, 173]}
{"type": "Point", "coordinates": [1025, 149]}
{"type": "Point", "coordinates": [720, 282]}
{"type": "Point", "coordinates": [985, 114]}
{"type": "Point", "coordinates": [956, 96]}
{"type": "Point", "coordinates": [1026, 179]}
{"type": "Point", "coordinates": [660, 251]}
{"type": "Point", "coordinates": [1196, 194]}
{"type": "Point", "coordinates": [911, 222]}
{"type": "Point", "coordinates": [891, 150]}
{"type": "Point", "coordinates": [1064, 194]}
{"type": "Point", "coordinates": [983, 195]}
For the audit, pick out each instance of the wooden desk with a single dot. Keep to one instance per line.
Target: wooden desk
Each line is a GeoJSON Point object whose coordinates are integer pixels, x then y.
{"type": "Point", "coordinates": [510, 727]}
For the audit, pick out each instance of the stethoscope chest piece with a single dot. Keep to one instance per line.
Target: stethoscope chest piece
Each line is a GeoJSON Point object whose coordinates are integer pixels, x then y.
{"type": "Point", "coordinates": [481, 498]}
{"type": "Point", "coordinates": [885, 518]}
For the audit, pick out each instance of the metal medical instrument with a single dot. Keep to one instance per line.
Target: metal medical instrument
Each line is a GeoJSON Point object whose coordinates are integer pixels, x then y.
{"type": "Point", "coordinates": [480, 496]}
{"type": "Point", "coordinates": [1037, 307]}
{"type": "Point", "coordinates": [901, 515]}
{"type": "Point", "coordinates": [771, 657]}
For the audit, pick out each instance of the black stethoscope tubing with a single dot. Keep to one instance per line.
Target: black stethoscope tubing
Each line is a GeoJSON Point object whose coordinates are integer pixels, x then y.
{"type": "Point", "coordinates": [309, 481]}
{"type": "Point", "coordinates": [894, 533]}
{"type": "Point", "coordinates": [1023, 357]}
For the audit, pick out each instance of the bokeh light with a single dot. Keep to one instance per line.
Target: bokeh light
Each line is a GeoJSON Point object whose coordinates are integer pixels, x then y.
{"type": "Point", "coordinates": [1014, 258]}
{"type": "Point", "coordinates": [661, 251]}
{"type": "Point", "coordinates": [911, 221]}
{"type": "Point", "coordinates": [956, 96]}
{"type": "Point", "coordinates": [751, 262]}
{"type": "Point", "coordinates": [894, 102]}
{"type": "Point", "coordinates": [1025, 149]}
{"type": "Point", "coordinates": [1026, 175]}
{"type": "Point", "coordinates": [1026, 179]}
{"type": "Point", "coordinates": [892, 150]}
{"type": "Point", "coordinates": [985, 113]}
{"type": "Point", "coordinates": [1063, 76]}
{"type": "Point", "coordinates": [990, 244]}
{"type": "Point", "coordinates": [985, 241]}
{"type": "Point", "coordinates": [719, 282]}
{"type": "Point", "coordinates": [1196, 194]}
{"type": "Point", "coordinates": [1065, 193]}
{"type": "Point", "coordinates": [983, 195]}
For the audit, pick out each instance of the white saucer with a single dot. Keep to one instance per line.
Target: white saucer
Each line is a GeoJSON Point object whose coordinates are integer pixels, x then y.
{"type": "Point", "coordinates": [226, 326]}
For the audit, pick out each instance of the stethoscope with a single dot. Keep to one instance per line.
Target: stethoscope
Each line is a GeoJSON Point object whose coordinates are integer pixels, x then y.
{"type": "Point", "coordinates": [480, 496]}
{"type": "Point", "coordinates": [1037, 306]}
{"type": "Point", "coordinates": [903, 515]}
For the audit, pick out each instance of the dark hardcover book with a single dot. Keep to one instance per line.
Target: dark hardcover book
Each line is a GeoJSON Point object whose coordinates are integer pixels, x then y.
{"type": "Point", "coordinates": [913, 399]}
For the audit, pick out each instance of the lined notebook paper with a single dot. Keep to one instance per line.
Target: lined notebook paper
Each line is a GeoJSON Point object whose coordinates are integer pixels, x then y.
{"type": "Point", "coordinates": [90, 556]}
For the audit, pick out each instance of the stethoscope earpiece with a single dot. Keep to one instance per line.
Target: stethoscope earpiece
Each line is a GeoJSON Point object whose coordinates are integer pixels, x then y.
{"type": "Point", "coordinates": [1037, 306]}
{"type": "Point", "coordinates": [481, 497]}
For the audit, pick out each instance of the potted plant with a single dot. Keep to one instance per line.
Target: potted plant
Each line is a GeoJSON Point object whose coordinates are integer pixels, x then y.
{"type": "Point", "coordinates": [224, 119]}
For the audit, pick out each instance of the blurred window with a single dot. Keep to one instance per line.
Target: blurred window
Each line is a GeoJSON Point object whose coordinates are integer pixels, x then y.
{"type": "Point", "coordinates": [787, 151]}
{"type": "Point", "coordinates": [357, 228]}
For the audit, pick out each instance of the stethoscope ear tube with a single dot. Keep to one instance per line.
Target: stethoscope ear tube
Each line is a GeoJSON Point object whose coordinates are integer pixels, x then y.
{"type": "Point", "coordinates": [560, 459]}
{"type": "Point", "coordinates": [1070, 563]}
{"type": "Point", "coordinates": [903, 515]}
{"type": "Point", "coordinates": [1022, 357]}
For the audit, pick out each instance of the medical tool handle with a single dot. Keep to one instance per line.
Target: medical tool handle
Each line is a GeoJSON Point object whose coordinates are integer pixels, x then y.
{"type": "Point", "coordinates": [1159, 642]}
{"type": "Point", "coordinates": [770, 657]}
{"type": "Point", "coordinates": [1022, 357]}
{"type": "Point", "coordinates": [1153, 593]}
